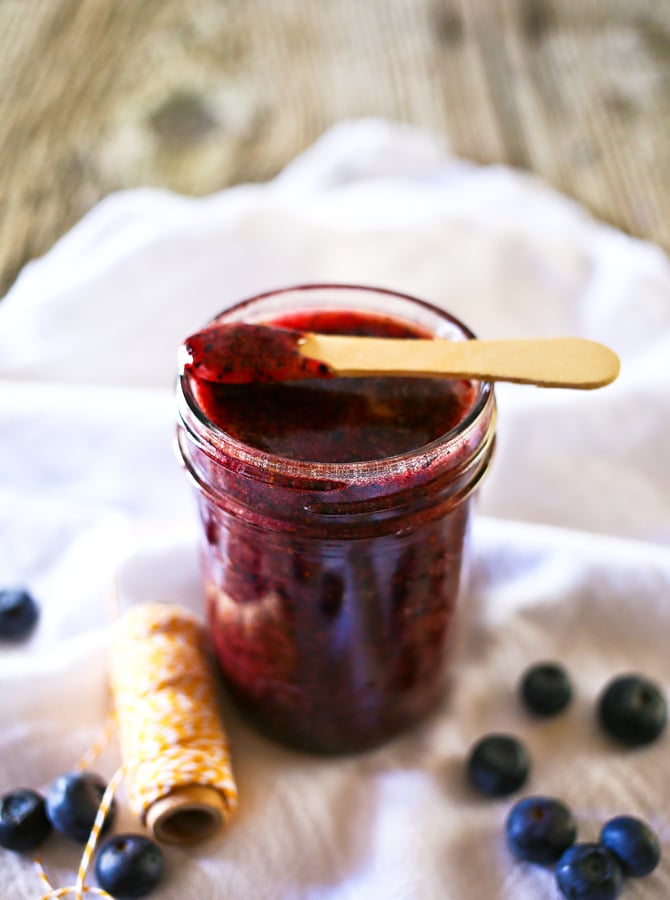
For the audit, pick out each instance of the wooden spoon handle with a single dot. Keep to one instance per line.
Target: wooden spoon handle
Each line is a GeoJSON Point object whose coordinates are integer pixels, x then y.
{"type": "Point", "coordinates": [547, 362]}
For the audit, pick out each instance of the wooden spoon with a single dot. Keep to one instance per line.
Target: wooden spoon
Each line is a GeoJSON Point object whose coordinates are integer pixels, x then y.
{"type": "Point", "coordinates": [548, 362]}
{"type": "Point", "coordinates": [237, 353]}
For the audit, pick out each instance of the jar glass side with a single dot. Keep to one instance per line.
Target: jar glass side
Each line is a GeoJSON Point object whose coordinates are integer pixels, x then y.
{"type": "Point", "coordinates": [330, 587]}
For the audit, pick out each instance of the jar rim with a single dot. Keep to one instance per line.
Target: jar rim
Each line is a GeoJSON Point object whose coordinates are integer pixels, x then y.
{"type": "Point", "coordinates": [349, 472]}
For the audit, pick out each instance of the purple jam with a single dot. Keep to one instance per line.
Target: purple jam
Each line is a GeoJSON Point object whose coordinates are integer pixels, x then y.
{"type": "Point", "coordinates": [322, 419]}
{"type": "Point", "coordinates": [330, 587]}
{"type": "Point", "coordinates": [245, 353]}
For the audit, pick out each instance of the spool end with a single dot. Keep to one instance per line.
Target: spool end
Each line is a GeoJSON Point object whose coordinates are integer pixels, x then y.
{"type": "Point", "coordinates": [187, 815]}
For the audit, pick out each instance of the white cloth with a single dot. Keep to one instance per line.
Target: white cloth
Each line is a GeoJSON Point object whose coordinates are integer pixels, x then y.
{"type": "Point", "coordinates": [570, 543]}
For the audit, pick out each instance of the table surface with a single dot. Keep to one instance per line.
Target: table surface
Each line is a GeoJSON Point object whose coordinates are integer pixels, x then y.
{"type": "Point", "coordinates": [100, 95]}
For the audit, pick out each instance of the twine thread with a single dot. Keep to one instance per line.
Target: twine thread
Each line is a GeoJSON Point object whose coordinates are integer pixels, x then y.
{"type": "Point", "coordinates": [164, 692]}
{"type": "Point", "coordinates": [165, 710]}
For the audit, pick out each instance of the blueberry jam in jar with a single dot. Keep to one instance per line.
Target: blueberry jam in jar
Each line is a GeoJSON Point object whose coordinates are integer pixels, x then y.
{"type": "Point", "coordinates": [334, 516]}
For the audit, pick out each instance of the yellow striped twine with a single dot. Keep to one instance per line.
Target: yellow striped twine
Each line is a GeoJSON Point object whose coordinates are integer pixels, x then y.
{"type": "Point", "coordinates": [164, 691]}
{"type": "Point", "coordinates": [79, 888]}
{"type": "Point", "coordinates": [171, 734]}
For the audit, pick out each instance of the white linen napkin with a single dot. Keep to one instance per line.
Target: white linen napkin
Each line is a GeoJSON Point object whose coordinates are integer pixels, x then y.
{"type": "Point", "coordinates": [570, 543]}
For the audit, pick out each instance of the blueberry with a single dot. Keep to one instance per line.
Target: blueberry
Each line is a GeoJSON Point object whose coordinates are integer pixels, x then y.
{"type": "Point", "coordinates": [540, 829]}
{"type": "Point", "coordinates": [18, 614]}
{"type": "Point", "coordinates": [633, 843]}
{"type": "Point", "coordinates": [546, 689]}
{"type": "Point", "coordinates": [72, 802]}
{"type": "Point", "coordinates": [589, 872]}
{"type": "Point", "coordinates": [498, 764]}
{"type": "Point", "coordinates": [129, 865]}
{"type": "Point", "coordinates": [23, 820]}
{"type": "Point", "coordinates": [632, 710]}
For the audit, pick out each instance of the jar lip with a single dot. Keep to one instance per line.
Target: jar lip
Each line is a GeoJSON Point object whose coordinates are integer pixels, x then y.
{"type": "Point", "coordinates": [364, 470]}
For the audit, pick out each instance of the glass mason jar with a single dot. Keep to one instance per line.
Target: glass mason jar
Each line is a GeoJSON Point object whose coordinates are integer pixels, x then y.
{"type": "Point", "coordinates": [330, 586]}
